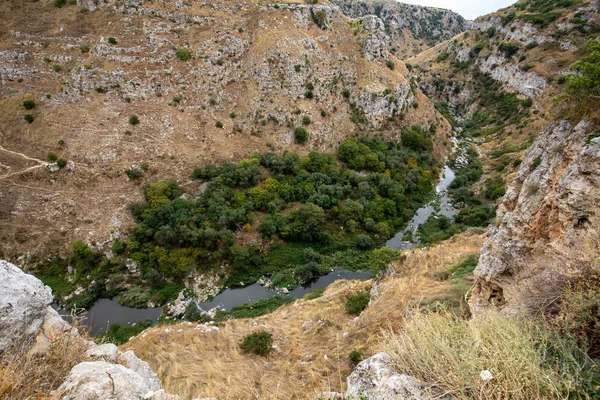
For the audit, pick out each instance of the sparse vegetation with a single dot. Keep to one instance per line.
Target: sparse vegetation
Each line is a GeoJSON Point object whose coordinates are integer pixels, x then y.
{"type": "Point", "coordinates": [112, 40]}
{"type": "Point", "coordinates": [61, 162]}
{"type": "Point", "coordinates": [29, 118]}
{"type": "Point", "coordinates": [219, 124]}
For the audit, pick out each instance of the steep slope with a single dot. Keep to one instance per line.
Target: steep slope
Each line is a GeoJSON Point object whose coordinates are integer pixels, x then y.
{"type": "Point", "coordinates": [169, 86]}
{"type": "Point", "coordinates": [411, 28]}
{"type": "Point", "coordinates": [499, 82]}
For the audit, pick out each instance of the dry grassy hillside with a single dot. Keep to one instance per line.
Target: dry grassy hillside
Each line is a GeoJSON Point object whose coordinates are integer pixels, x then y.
{"type": "Point", "coordinates": [207, 82]}
{"type": "Point", "coordinates": [313, 338]}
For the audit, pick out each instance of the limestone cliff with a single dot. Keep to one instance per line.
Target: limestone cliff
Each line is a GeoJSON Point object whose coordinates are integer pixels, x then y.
{"type": "Point", "coordinates": [411, 28]}
{"type": "Point", "coordinates": [548, 232]}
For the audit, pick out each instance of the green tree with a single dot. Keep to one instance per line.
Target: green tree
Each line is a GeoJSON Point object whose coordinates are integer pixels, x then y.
{"type": "Point", "coordinates": [309, 223]}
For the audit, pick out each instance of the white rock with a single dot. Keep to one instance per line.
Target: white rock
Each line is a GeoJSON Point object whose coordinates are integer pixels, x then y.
{"type": "Point", "coordinates": [102, 380]}
{"type": "Point", "coordinates": [24, 302]}
{"type": "Point", "coordinates": [103, 352]}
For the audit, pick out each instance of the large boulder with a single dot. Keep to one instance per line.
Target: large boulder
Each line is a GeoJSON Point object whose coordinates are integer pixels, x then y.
{"type": "Point", "coordinates": [24, 301]}
{"type": "Point", "coordinates": [102, 380]}
{"type": "Point", "coordinates": [375, 378]}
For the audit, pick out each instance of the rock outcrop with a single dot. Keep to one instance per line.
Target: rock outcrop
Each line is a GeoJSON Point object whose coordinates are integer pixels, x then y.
{"type": "Point", "coordinates": [548, 230]}
{"type": "Point", "coordinates": [411, 28]}
{"type": "Point", "coordinates": [24, 302]}
{"type": "Point", "coordinates": [110, 374]}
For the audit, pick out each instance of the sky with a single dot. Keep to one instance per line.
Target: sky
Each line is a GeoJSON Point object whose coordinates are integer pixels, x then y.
{"type": "Point", "coordinates": [470, 9]}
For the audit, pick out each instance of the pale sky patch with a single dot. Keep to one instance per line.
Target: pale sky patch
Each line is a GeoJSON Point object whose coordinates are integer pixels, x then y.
{"type": "Point", "coordinates": [470, 9]}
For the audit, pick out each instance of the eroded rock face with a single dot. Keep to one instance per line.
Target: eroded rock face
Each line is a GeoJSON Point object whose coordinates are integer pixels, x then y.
{"type": "Point", "coordinates": [372, 38]}
{"type": "Point", "coordinates": [548, 232]}
{"type": "Point", "coordinates": [24, 301]}
{"type": "Point", "coordinates": [407, 25]}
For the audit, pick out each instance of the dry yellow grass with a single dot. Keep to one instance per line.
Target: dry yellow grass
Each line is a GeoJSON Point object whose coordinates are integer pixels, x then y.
{"type": "Point", "coordinates": [312, 352]}
{"type": "Point", "coordinates": [28, 375]}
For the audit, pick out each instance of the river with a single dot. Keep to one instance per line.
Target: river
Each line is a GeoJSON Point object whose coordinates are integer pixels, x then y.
{"type": "Point", "coordinates": [107, 311]}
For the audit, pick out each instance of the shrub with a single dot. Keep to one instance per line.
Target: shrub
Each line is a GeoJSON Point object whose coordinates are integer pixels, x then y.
{"type": "Point", "coordinates": [219, 124]}
{"type": "Point", "coordinates": [526, 358]}
{"type": "Point", "coordinates": [532, 45]}
{"type": "Point", "coordinates": [232, 115]}
{"type": "Point", "coordinates": [57, 68]}
{"type": "Point", "coordinates": [121, 333]}
{"type": "Point", "coordinates": [356, 303]}
{"type": "Point", "coordinates": [183, 54]}
{"type": "Point", "coordinates": [134, 173]}
{"type": "Point", "coordinates": [490, 32]}
{"type": "Point", "coordinates": [61, 162]}
{"type": "Point", "coordinates": [51, 157]}
{"type": "Point", "coordinates": [112, 40]}
{"type": "Point", "coordinates": [390, 64]}
{"type": "Point", "coordinates": [29, 118]}
{"type": "Point", "coordinates": [508, 49]}
{"type": "Point", "coordinates": [59, 3]}
{"type": "Point", "coordinates": [300, 135]}
{"type": "Point", "coordinates": [315, 294]}
{"type": "Point", "coordinates": [320, 18]}
{"type": "Point", "coordinates": [355, 356]}
{"type": "Point", "coordinates": [134, 119]}
{"type": "Point", "coordinates": [84, 48]}
{"type": "Point", "coordinates": [259, 307]}
{"type": "Point", "coordinates": [29, 104]}
{"type": "Point", "coordinates": [259, 343]}
{"type": "Point", "coordinates": [306, 120]}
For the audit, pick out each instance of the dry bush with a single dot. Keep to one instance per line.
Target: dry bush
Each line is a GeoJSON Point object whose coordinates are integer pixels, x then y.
{"type": "Point", "coordinates": [26, 375]}
{"type": "Point", "coordinates": [527, 360]}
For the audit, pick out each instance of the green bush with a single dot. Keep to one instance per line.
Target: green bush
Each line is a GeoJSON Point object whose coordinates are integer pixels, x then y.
{"type": "Point", "coordinates": [57, 68]}
{"type": "Point", "coordinates": [508, 49]}
{"type": "Point", "coordinates": [300, 135]}
{"type": "Point", "coordinates": [112, 40]}
{"type": "Point", "coordinates": [259, 308]}
{"type": "Point", "coordinates": [259, 343]}
{"type": "Point", "coordinates": [61, 162]}
{"type": "Point", "coordinates": [134, 173]}
{"type": "Point", "coordinates": [356, 303]}
{"type": "Point", "coordinates": [29, 118]}
{"type": "Point", "coordinates": [306, 120]}
{"type": "Point", "coordinates": [121, 333]}
{"type": "Point", "coordinates": [183, 54]}
{"type": "Point", "coordinates": [320, 18]}
{"type": "Point", "coordinates": [59, 3]}
{"type": "Point", "coordinates": [29, 104]}
{"type": "Point", "coordinates": [355, 357]}
{"type": "Point", "coordinates": [134, 119]}
{"type": "Point", "coordinates": [390, 64]}
{"type": "Point", "coordinates": [494, 188]}
{"type": "Point", "coordinates": [84, 48]}
{"type": "Point", "coordinates": [219, 124]}
{"type": "Point", "coordinates": [52, 157]}
{"type": "Point", "coordinates": [315, 294]}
